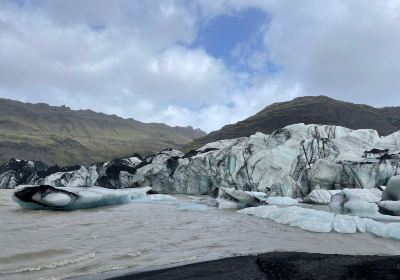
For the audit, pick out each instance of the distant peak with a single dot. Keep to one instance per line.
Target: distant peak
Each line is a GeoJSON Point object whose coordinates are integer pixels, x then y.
{"type": "Point", "coordinates": [314, 97]}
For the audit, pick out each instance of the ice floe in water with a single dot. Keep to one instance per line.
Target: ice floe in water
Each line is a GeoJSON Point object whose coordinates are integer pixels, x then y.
{"type": "Point", "coordinates": [149, 198]}
{"type": "Point", "coordinates": [73, 198]}
{"type": "Point", "coordinates": [307, 219]}
{"type": "Point", "coordinates": [281, 200]}
{"type": "Point", "coordinates": [160, 197]}
{"type": "Point", "coordinates": [321, 221]}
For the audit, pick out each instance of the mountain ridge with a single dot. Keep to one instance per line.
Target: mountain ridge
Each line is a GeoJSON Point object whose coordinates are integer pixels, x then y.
{"type": "Point", "coordinates": [60, 135]}
{"type": "Point", "coordinates": [307, 109]}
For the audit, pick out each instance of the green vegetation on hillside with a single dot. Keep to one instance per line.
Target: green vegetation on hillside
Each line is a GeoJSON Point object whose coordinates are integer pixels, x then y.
{"type": "Point", "coordinates": [59, 135]}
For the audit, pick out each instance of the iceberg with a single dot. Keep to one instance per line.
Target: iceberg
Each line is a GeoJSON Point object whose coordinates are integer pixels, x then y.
{"type": "Point", "coordinates": [281, 200]}
{"type": "Point", "coordinates": [228, 204]}
{"type": "Point", "coordinates": [368, 195]}
{"type": "Point", "coordinates": [307, 219]}
{"type": "Point", "coordinates": [386, 230]}
{"type": "Point", "coordinates": [322, 197]}
{"type": "Point", "coordinates": [321, 221]}
{"type": "Point", "coordinates": [364, 203]}
{"type": "Point", "coordinates": [344, 224]}
{"type": "Point", "coordinates": [45, 197]}
{"type": "Point", "coordinates": [230, 198]}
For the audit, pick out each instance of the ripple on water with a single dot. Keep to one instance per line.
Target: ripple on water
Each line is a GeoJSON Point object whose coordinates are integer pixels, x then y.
{"type": "Point", "coordinates": [52, 265]}
{"type": "Point", "coordinates": [49, 253]}
{"type": "Point", "coordinates": [191, 207]}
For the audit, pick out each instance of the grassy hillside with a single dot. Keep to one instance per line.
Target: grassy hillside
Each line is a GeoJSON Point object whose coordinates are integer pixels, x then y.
{"type": "Point", "coordinates": [309, 109]}
{"type": "Point", "coordinates": [59, 135]}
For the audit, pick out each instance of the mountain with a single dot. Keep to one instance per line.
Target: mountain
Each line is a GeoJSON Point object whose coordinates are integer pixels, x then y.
{"type": "Point", "coordinates": [308, 110]}
{"type": "Point", "coordinates": [59, 135]}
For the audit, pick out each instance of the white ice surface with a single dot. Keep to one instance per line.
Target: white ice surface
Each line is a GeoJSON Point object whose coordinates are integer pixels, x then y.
{"type": "Point", "coordinates": [361, 208]}
{"type": "Point", "coordinates": [281, 200]}
{"type": "Point", "coordinates": [368, 195]}
{"type": "Point", "coordinates": [54, 199]}
{"type": "Point", "coordinates": [228, 204]}
{"type": "Point", "coordinates": [389, 230]}
{"type": "Point", "coordinates": [155, 197]}
{"type": "Point", "coordinates": [344, 224]}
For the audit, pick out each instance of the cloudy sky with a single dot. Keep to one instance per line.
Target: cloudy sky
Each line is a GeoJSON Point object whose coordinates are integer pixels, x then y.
{"type": "Point", "coordinates": [200, 63]}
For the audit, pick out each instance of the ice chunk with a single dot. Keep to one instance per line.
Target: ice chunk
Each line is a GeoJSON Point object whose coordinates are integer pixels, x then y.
{"type": "Point", "coordinates": [393, 230]}
{"type": "Point", "coordinates": [387, 230]}
{"type": "Point", "coordinates": [344, 224]}
{"type": "Point", "coordinates": [72, 198]}
{"type": "Point", "coordinates": [281, 200]}
{"type": "Point", "coordinates": [376, 228]}
{"type": "Point", "coordinates": [228, 204]}
{"type": "Point", "coordinates": [209, 201]}
{"type": "Point", "coordinates": [360, 202]}
{"type": "Point", "coordinates": [230, 198]}
{"type": "Point", "coordinates": [392, 207]}
{"type": "Point", "coordinates": [259, 195]}
{"type": "Point", "coordinates": [369, 195]}
{"type": "Point", "coordinates": [320, 196]}
{"type": "Point", "coordinates": [360, 208]}
{"type": "Point", "coordinates": [320, 221]}
{"type": "Point", "coordinates": [361, 227]}
{"type": "Point", "coordinates": [392, 191]}
{"type": "Point", "coordinates": [307, 219]}
{"type": "Point", "coordinates": [154, 198]}
{"type": "Point", "coordinates": [337, 203]}
{"type": "Point", "coordinates": [159, 197]}
{"type": "Point", "coordinates": [245, 198]}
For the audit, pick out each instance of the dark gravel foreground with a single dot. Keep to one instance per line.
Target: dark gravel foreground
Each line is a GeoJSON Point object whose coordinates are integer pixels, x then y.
{"type": "Point", "coordinates": [281, 265]}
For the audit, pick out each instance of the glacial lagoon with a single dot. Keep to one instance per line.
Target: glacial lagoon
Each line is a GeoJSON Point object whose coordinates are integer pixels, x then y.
{"type": "Point", "coordinates": [148, 234]}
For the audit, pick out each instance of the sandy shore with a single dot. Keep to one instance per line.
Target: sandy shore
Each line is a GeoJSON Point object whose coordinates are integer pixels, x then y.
{"type": "Point", "coordinates": [281, 265]}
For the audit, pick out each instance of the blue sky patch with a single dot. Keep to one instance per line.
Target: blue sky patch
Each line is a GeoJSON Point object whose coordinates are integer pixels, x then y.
{"type": "Point", "coordinates": [220, 36]}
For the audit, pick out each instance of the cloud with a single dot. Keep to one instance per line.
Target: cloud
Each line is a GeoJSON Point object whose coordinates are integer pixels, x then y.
{"type": "Point", "coordinates": [134, 61]}
{"type": "Point", "coordinates": [136, 58]}
{"type": "Point", "coordinates": [346, 49]}
{"type": "Point", "coordinates": [50, 53]}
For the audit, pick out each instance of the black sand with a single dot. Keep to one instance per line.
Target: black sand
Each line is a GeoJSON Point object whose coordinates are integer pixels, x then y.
{"type": "Point", "coordinates": [281, 265]}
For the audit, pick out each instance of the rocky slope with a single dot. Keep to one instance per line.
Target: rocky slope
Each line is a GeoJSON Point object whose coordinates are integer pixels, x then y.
{"type": "Point", "coordinates": [309, 110]}
{"type": "Point", "coordinates": [58, 135]}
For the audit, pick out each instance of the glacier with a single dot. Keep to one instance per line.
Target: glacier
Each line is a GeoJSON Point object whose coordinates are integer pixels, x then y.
{"type": "Point", "coordinates": [292, 162]}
